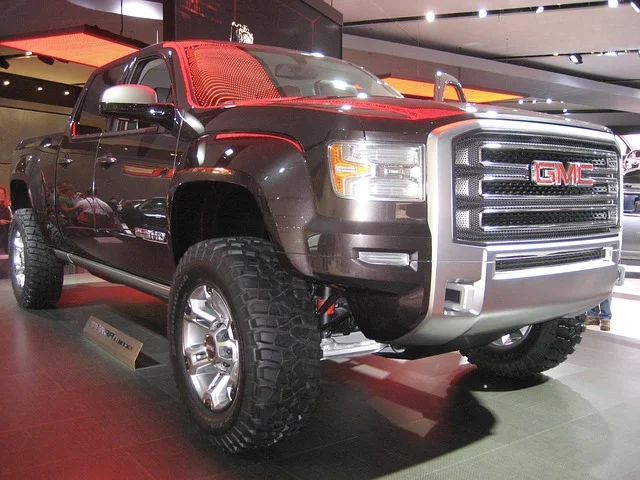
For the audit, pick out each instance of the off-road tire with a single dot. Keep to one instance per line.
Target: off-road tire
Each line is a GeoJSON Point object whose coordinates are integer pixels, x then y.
{"type": "Point", "coordinates": [547, 345]}
{"type": "Point", "coordinates": [277, 335]}
{"type": "Point", "coordinates": [43, 271]}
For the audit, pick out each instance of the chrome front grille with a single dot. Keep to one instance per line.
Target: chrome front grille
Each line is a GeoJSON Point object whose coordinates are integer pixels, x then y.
{"type": "Point", "coordinates": [495, 199]}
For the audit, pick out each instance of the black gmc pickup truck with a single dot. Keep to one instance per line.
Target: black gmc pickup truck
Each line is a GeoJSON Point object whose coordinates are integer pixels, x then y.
{"type": "Point", "coordinates": [292, 207]}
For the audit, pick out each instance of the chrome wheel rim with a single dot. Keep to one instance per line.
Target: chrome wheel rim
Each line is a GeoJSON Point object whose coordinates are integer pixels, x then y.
{"type": "Point", "coordinates": [17, 258]}
{"type": "Point", "coordinates": [210, 348]}
{"type": "Point", "coordinates": [513, 338]}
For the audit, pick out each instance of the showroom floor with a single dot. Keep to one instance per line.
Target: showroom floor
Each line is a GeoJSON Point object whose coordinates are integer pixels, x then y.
{"type": "Point", "coordinates": [70, 411]}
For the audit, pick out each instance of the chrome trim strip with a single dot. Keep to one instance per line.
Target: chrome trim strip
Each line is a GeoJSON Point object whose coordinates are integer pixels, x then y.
{"type": "Point", "coordinates": [552, 147]}
{"type": "Point", "coordinates": [116, 276]}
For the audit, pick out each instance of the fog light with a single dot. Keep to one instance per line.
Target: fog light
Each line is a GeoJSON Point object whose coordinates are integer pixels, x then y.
{"type": "Point", "coordinates": [392, 259]}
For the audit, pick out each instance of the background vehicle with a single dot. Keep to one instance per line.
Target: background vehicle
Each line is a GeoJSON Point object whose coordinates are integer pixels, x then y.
{"type": "Point", "coordinates": [309, 211]}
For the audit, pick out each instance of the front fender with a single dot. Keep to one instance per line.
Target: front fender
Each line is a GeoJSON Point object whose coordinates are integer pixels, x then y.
{"type": "Point", "coordinates": [274, 170]}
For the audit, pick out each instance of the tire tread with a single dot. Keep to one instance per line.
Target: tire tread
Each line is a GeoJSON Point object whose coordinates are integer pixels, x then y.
{"type": "Point", "coordinates": [284, 373]}
{"type": "Point", "coordinates": [554, 341]}
{"type": "Point", "coordinates": [44, 272]}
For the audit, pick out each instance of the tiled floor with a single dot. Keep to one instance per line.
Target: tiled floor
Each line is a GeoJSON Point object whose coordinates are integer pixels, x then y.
{"type": "Point", "coordinates": [70, 411]}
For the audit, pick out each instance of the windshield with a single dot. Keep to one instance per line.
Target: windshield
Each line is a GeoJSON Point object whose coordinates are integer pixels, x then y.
{"type": "Point", "coordinates": [223, 73]}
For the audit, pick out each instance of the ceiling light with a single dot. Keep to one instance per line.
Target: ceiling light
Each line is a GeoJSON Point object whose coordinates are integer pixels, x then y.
{"type": "Point", "coordinates": [85, 45]}
{"type": "Point", "coordinates": [430, 16]}
{"type": "Point", "coordinates": [67, 92]}
{"type": "Point", "coordinates": [421, 89]}
{"type": "Point", "coordinates": [3, 63]}
{"type": "Point", "coordinates": [613, 3]}
{"type": "Point", "coordinates": [6, 83]}
{"type": "Point", "coordinates": [635, 6]}
{"type": "Point", "coordinates": [28, 54]}
{"type": "Point", "coordinates": [39, 88]}
{"type": "Point", "coordinates": [576, 58]}
{"type": "Point", "coordinates": [539, 9]}
{"type": "Point", "coordinates": [482, 13]}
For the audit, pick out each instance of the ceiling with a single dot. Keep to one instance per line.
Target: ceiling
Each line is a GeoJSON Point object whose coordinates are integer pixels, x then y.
{"type": "Point", "coordinates": [491, 52]}
{"type": "Point", "coordinates": [512, 34]}
{"type": "Point", "coordinates": [523, 38]}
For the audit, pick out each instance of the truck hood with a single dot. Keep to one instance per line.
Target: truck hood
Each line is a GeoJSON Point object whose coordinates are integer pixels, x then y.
{"type": "Point", "coordinates": [373, 109]}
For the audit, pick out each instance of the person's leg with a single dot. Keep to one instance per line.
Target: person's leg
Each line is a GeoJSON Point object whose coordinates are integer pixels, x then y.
{"type": "Point", "coordinates": [593, 316]}
{"type": "Point", "coordinates": [605, 315]}
{"type": "Point", "coordinates": [4, 238]}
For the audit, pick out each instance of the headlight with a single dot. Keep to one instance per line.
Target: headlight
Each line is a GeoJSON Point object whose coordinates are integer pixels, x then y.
{"type": "Point", "coordinates": [377, 171]}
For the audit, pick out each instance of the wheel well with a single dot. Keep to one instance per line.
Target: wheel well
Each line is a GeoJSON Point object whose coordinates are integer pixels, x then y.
{"type": "Point", "coordinates": [204, 210]}
{"type": "Point", "coordinates": [19, 195]}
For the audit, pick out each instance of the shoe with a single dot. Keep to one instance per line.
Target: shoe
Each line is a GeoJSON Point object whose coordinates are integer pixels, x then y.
{"type": "Point", "coordinates": [605, 325]}
{"type": "Point", "coordinates": [592, 321]}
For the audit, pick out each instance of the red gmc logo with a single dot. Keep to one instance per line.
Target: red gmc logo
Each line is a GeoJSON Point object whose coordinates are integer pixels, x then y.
{"type": "Point", "coordinates": [554, 173]}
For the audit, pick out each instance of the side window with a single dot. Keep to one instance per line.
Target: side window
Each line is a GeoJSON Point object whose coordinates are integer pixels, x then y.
{"type": "Point", "coordinates": [90, 121]}
{"type": "Point", "coordinates": [632, 177]}
{"type": "Point", "coordinates": [155, 74]}
{"type": "Point", "coordinates": [152, 72]}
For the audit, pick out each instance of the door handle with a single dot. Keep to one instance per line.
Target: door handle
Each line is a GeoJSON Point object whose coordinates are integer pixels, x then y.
{"type": "Point", "coordinates": [65, 161]}
{"type": "Point", "coordinates": [106, 161]}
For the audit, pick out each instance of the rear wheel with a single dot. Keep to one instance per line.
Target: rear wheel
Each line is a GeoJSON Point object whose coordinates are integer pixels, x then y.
{"type": "Point", "coordinates": [529, 350]}
{"type": "Point", "coordinates": [244, 343]}
{"type": "Point", "coordinates": [36, 274]}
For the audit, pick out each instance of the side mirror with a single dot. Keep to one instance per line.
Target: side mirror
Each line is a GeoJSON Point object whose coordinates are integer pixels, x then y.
{"type": "Point", "coordinates": [136, 102]}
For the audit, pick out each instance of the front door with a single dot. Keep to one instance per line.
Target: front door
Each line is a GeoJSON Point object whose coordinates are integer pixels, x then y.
{"type": "Point", "coordinates": [76, 165]}
{"type": "Point", "coordinates": [134, 167]}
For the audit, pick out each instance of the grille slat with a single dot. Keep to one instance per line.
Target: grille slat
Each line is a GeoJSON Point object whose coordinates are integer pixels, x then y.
{"type": "Point", "coordinates": [496, 200]}
{"type": "Point", "coordinates": [533, 261]}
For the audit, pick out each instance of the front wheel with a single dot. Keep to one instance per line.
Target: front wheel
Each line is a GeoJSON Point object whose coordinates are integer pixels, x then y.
{"type": "Point", "coordinates": [529, 350]}
{"type": "Point", "coordinates": [36, 274]}
{"type": "Point", "coordinates": [244, 343]}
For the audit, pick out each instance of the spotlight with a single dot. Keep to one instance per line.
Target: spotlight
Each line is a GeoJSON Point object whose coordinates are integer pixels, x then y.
{"type": "Point", "coordinates": [482, 13]}
{"type": "Point", "coordinates": [430, 17]}
{"type": "Point", "coordinates": [45, 59]}
{"type": "Point", "coordinates": [635, 6]}
{"type": "Point", "coordinates": [576, 58]}
{"type": "Point", "coordinates": [539, 9]}
{"type": "Point", "coordinates": [613, 3]}
{"type": "Point", "coordinates": [3, 63]}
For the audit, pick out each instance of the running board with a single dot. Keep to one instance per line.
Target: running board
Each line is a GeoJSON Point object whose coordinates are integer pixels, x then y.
{"type": "Point", "coordinates": [116, 276]}
{"type": "Point", "coordinates": [352, 345]}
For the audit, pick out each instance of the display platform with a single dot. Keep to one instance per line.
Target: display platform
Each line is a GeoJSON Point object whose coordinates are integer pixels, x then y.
{"type": "Point", "coordinates": [69, 410]}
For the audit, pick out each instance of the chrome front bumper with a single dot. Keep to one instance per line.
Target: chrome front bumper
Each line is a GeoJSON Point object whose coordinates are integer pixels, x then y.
{"type": "Point", "coordinates": [478, 290]}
